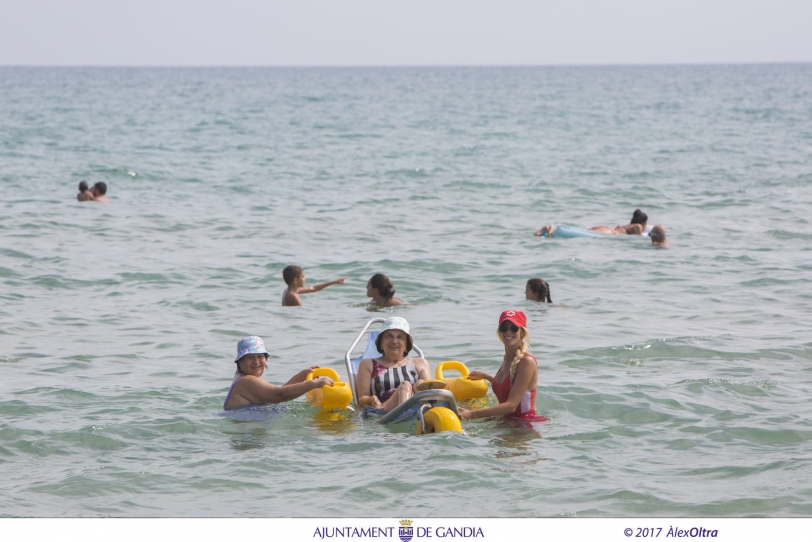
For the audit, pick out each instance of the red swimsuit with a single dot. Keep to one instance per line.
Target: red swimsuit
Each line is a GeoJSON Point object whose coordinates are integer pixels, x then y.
{"type": "Point", "coordinates": [527, 407]}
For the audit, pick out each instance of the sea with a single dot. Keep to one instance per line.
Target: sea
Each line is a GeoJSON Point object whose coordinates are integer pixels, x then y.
{"type": "Point", "coordinates": [677, 380]}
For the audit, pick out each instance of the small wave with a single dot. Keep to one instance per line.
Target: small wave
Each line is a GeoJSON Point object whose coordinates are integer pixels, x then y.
{"type": "Point", "coordinates": [739, 385]}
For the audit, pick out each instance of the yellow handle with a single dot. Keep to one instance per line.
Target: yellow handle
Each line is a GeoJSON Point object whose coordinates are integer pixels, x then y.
{"type": "Point", "coordinates": [451, 365]}
{"type": "Point", "coordinates": [323, 371]}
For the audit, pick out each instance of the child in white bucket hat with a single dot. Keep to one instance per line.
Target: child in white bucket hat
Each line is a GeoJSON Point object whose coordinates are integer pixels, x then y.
{"type": "Point", "coordinates": [249, 389]}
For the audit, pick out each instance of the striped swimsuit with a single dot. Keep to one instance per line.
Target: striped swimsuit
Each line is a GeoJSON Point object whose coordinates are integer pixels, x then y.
{"type": "Point", "coordinates": [385, 380]}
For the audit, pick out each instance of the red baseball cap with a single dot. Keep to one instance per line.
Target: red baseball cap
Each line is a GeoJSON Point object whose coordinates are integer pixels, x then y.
{"type": "Point", "coordinates": [516, 317]}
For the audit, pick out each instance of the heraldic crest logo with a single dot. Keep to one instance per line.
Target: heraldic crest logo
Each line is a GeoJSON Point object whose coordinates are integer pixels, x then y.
{"type": "Point", "coordinates": [406, 530]}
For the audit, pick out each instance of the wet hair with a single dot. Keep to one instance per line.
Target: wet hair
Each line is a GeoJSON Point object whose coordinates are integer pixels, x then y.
{"type": "Point", "coordinates": [409, 342]}
{"type": "Point", "coordinates": [639, 217]}
{"type": "Point", "coordinates": [524, 335]}
{"type": "Point", "coordinates": [101, 187]}
{"type": "Point", "coordinates": [291, 273]}
{"type": "Point", "coordinates": [541, 289]}
{"type": "Point", "coordinates": [83, 187]}
{"type": "Point", "coordinates": [381, 282]}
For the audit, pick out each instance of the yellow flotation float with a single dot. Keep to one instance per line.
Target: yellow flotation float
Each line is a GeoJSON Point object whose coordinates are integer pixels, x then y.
{"type": "Point", "coordinates": [335, 397]}
{"type": "Point", "coordinates": [437, 420]}
{"type": "Point", "coordinates": [462, 387]}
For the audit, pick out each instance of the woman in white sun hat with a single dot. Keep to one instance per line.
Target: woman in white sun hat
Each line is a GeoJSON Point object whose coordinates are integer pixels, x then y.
{"type": "Point", "coordinates": [389, 380]}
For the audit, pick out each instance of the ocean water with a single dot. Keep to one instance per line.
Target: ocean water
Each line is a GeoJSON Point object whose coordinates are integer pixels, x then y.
{"type": "Point", "coordinates": [677, 380]}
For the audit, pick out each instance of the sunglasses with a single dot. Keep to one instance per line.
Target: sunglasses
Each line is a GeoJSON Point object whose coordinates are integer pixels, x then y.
{"type": "Point", "coordinates": [508, 326]}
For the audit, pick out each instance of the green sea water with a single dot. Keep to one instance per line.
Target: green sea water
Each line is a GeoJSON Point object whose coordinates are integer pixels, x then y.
{"type": "Point", "coordinates": [676, 380]}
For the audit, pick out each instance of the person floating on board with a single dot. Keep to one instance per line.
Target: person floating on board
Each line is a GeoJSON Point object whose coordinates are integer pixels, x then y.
{"type": "Point", "coordinates": [637, 226]}
{"type": "Point", "coordinates": [249, 389]}
{"type": "Point", "coordinates": [295, 279]}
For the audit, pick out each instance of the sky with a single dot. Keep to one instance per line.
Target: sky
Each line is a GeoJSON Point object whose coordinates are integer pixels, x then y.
{"type": "Point", "coordinates": [402, 33]}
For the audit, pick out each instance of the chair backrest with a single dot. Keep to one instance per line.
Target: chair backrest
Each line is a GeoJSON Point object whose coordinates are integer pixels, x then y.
{"type": "Point", "coordinates": [371, 351]}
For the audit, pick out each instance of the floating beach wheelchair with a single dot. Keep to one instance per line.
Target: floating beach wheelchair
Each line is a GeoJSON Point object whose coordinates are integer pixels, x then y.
{"type": "Point", "coordinates": [432, 406]}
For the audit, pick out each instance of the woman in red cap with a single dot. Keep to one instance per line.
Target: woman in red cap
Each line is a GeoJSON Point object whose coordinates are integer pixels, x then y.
{"type": "Point", "coordinates": [515, 382]}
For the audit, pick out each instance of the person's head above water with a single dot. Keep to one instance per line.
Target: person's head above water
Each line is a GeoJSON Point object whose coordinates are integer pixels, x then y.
{"type": "Point", "coordinates": [513, 333]}
{"type": "Point", "coordinates": [100, 188]}
{"type": "Point", "coordinates": [517, 318]}
{"type": "Point", "coordinates": [658, 235]}
{"type": "Point", "coordinates": [291, 273]}
{"type": "Point", "coordinates": [639, 217]}
{"type": "Point", "coordinates": [382, 284]}
{"type": "Point", "coordinates": [537, 290]}
{"type": "Point", "coordinates": [251, 356]}
{"type": "Point", "coordinates": [391, 327]}
{"type": "Point", "coordinates": [83, 186]}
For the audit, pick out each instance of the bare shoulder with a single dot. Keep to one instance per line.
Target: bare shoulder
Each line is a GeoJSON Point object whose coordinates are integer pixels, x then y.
{"type": "Point", "coordinates": [247, 382]}
{"type": "Point", "coordinates": [528, 359]}
{"type": "Point", "coordinates": [291, 300]}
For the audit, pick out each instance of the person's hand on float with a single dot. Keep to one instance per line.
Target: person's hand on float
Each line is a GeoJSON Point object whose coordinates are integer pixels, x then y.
{"type": "Point", "coordinates": [323, 381]}
{"type": "Point", "coordinates": [464, 414]}
{"type": "Point", "coordinates": [480, 375]}
{"type": "Point", "coordinates": [301, 376]}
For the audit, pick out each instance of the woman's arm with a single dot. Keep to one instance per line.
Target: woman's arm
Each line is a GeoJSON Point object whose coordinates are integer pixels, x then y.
{"type": "Point", "coordinates": [301, 375]}
{"type": "Point", "coordinates": [423, 370]}
{"type": "Point", "coordinates": [256, 390]}
{"type": "Point", "coordinates": [521, 383]}
{"type": "Point", "coordinates": [362, 385]}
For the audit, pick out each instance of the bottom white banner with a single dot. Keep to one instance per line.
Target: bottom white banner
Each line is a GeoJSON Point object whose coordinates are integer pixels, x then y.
{"type": "Point", "coordinates": [405, 529]}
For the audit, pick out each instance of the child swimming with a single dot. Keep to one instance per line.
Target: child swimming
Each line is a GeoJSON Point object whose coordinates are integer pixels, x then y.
{"type": "Point", "coordinates": [295, 279]}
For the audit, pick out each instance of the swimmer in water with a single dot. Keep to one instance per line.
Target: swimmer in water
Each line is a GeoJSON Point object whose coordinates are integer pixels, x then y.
{"type": "Point", "coordinates": [98, 191]}
{"type": "Point", "coordinates": [249, 389]}
{"type": "Point", "coordinates": [537, 290]}
{"type": "Point", "coordinates": [295, 279]}
{"type": "Point", "coordinates": [382, 291]}
{"type": "Point", "coordinates": [84, 192]}
{"type": "Point", "coordinates": [658, 237]}
{"type": "Point", "coordinates": [517, 378]}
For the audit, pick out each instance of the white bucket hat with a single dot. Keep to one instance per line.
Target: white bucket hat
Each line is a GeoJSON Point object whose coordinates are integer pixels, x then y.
{"type": "Point", "coordinates": [395, 322]}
